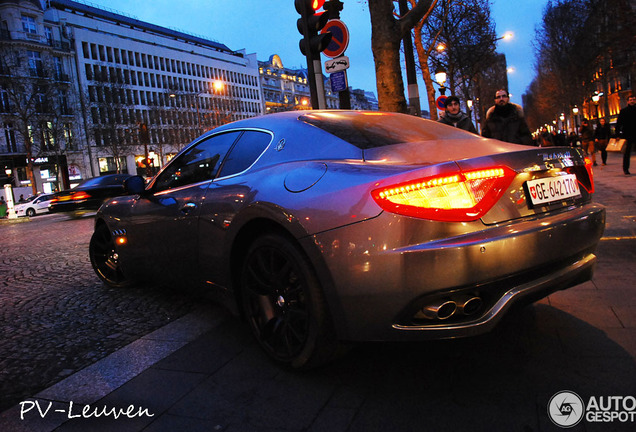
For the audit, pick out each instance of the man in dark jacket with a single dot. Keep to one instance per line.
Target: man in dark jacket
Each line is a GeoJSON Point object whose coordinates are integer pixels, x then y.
{"type": "Point", "coordinates": [454, 117]}
{"type": "Point", "coordinates": [505, 121]}
{"type": "Point", "coordinates": [626, 128]}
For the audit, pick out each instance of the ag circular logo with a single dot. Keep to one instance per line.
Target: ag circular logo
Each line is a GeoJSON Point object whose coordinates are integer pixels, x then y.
{"type": "Point", "coordinates": [566, 409]}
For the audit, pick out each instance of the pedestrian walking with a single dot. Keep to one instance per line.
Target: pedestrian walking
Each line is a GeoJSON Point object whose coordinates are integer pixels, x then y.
{"type": "Point", "coordinates": [453, 116]}
{"type": "Point", "coordinates": [601, 138]}
{"type": "Point", "coordinates": [545, 138]}
{"type": "Point", "coordinates": [587, 140]}
{"type": "Point", "coordinates": [626, 128]}
{"type": "Point", "coordinates": [505, 121]}
{"type": "Point", "coordinates": [573, 139]}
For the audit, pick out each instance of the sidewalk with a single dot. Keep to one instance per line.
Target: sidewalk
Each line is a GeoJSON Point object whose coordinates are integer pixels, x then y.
{"type": "Point", "coordinates": [204, 372]}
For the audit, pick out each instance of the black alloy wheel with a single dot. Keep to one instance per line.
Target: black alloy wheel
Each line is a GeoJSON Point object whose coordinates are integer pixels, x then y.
{"type": "Point", "coordinates": [284, 305]}
{"type": "Point", "coordinates": [30, 212]}
{"type": "Point", "coordinates": [105, 259]}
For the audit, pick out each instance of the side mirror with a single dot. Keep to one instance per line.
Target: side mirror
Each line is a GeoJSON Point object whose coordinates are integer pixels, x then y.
{"type": "Point", "coordinates": [135, 185]}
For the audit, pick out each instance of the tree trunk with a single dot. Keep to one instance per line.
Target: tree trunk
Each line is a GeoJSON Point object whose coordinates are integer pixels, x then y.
{"type": "Point", "coordinates": [386, 37]}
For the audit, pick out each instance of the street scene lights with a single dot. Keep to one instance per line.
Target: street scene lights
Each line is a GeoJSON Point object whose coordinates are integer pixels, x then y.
{"type": "Point", "coordinates": [575, 111]}
{"type": "Point", "coordinates": [440, 77]}
{"type": "Point", "coordinates": [217, 87]}
{"type": "Point", "coordinates": [507, 36]}
{"type": "Point", "coordinates": [596, 97]}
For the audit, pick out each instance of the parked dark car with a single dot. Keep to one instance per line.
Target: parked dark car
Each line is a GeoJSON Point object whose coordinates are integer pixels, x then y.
{"type": "Point", "coordinates": [328, 226]}
{"type": "Point", "coordinates": [89, 194]}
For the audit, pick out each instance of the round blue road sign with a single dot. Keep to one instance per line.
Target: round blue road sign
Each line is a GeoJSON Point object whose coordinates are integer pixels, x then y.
{"type": "Point", "coordinates": [339, 38]}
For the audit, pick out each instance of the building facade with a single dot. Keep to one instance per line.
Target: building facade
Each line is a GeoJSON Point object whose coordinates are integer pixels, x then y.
{"type": "Point", "coordinates": [287, 89]}
{"type": "Point", "coordinates": [135, 93]}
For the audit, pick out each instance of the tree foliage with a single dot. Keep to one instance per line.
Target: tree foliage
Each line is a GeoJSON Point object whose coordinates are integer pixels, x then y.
{"type": "Point", "coordinates": [579, 45]}
{"type": "Point", "coordinates": [466, 35]}
{"type": "Point", "coordinates": [35, 99]}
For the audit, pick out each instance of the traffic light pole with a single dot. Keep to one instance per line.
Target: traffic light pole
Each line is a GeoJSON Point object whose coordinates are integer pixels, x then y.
{"type": "Point", "coordinates": [333, 7]}
{"type": "Point", "coordinates": [311, 45]}
{"type": "Point", "coordinates": [321, 102]}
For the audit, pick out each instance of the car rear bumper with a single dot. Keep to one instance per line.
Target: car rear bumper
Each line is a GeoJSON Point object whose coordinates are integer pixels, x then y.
{"type": "Point", "coordinates": [74, 206]}
{"type": "Point", "coordinates": [382, 287]}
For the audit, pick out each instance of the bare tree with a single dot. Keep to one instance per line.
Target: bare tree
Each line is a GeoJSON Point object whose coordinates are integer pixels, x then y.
{"type": "Point", "coordinates": [31, 88]}
{"type": "Point", "coordinates": [387, 32]}
{"type": "Point", "coordinates": [458, 37]}
{"type": "Point", "coordinates": [114, 127]}
{"type": "Point", "coordinates": [582, 47]}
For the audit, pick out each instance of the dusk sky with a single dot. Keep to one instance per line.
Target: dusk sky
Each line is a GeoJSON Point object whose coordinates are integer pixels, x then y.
{"type": "Point", "coordinates": [268, 27]}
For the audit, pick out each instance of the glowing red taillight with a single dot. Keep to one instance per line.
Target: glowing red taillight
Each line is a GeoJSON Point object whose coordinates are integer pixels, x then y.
{"type": "Point", "coordinates": [588, 167]}
{"type": "Point", "coordinates": [459, 196]}
{"type": "Point", "coordinates": [79, 196]}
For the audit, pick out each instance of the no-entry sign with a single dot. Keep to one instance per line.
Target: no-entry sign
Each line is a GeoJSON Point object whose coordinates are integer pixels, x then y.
{"type": "Point", "coordinates": [339, 38]}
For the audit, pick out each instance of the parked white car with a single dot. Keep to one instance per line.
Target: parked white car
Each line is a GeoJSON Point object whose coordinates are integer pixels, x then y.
{"type": "Point", "coordinates": [36, 204]}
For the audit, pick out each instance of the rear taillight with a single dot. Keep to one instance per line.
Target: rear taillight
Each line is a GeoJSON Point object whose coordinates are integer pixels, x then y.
{"type": "Point", "coordinates": [79, 196]}
{"type": "Point", "coordinates": [588, 167]}
{"type": "Point", "coordinates": [459, 196]}
{"type": "Point", "coordinates": [584, 176]}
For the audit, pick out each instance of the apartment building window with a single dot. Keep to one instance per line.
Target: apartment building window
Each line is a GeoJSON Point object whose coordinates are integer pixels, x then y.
{"type": "Point", "coordinates": [5, 106]}
{"type": "Point", "coordinates": [68, 137]}
{"type": "Point", "coordinates": [35, 63]}
{"type": "Point", "coordinates": [48, 34]}
{"type": "Point", "coordinates": [59, 70]}
{"type": "Point", "coordinates": [28, 25]}
{"type": "Point", "coordinates": [9, 134]}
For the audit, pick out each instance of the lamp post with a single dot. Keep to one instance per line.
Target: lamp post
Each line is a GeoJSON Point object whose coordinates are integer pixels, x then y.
{"type": "Point", "coordinates": [440, 77]}
{"type": "Point", "coordinates": [575, 111]}
{"type": "Point", "coordinates": [596, 98]}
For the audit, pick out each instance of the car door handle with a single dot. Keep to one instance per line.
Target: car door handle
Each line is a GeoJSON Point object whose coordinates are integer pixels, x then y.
{"type": "Point", "coordinates": [188, 207]}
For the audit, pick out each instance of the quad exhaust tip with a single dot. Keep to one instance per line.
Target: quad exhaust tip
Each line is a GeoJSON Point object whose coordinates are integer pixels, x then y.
{"type": "Point", "coordinates": [444, 309]}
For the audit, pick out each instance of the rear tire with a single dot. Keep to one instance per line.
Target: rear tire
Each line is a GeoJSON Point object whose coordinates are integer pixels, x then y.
{"type": "Point", "coordinates": [30, 212]}
{"type": "Point", "coordinates": [105, 259]}
{"type": "Point", "coordinates": [284, 304]}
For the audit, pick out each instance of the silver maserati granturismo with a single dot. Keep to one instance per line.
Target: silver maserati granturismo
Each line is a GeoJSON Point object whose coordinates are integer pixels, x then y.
{"type": "Point", "coordinates": [326, 227]}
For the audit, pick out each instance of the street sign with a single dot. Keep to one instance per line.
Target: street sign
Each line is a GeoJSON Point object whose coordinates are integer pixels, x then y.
{"type": "Point", "coordinates": [339, 38]}
{"type": "Point", "coordinates": [338, 81]}
{"type": "Point", "coordinates": [440, 102]}
{"type": "Point", "coordinates": [336, 65]}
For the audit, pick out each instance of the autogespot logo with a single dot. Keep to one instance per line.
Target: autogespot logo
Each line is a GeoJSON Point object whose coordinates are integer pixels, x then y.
{"type": "Point", "coordinates": [566, 409]}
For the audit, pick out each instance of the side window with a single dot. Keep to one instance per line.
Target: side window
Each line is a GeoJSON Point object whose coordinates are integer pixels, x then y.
{"type": "Point", "coordinates": [245, 152]}
{"type": "Point", "coordinates": [198, 163]}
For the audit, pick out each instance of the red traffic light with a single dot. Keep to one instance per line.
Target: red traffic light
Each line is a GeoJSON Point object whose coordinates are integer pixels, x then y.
{"type": "Point", "coordinates": [317, 4]}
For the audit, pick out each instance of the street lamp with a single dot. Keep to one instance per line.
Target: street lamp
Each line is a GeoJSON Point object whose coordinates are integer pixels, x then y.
{"type": "Point", "coordinates": [575, 111]}
{"type": "Point", "coordinates": [440, 77]}
{"type": "Point", "coordinates": [507, 35]}
{"type": "Point", "coordinates": [596, 98]}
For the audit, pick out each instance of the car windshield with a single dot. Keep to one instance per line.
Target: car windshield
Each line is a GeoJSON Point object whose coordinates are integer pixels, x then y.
{"type": "Point", "coordinates": [368, 130]}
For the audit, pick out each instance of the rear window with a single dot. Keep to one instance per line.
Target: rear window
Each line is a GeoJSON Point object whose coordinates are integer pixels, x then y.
{"type": "Point", "coordinates": [104, 181]}
{"type": "Point", "coordinates": [367, 130]}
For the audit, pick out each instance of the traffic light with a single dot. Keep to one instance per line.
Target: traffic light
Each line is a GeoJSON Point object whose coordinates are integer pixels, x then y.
{"type": "Point", "coordinates": [309, 25]}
